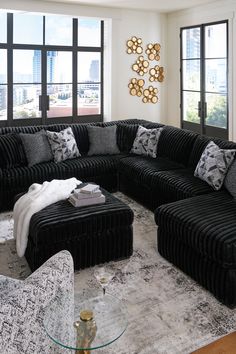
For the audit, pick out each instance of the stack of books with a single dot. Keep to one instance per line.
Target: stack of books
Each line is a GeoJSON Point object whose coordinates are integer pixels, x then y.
{"type": "Point", "coordinates": [87, 194]}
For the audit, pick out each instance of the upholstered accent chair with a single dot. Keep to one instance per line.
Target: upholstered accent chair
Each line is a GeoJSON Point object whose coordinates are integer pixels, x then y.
{"type": "Point", "coordinates": [22, 305]}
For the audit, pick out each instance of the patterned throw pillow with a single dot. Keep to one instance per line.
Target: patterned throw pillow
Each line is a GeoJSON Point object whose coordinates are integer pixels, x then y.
{"type": "Point", "coordinates": [213, 165]}
{"type": "Point", "coordinates": [146, 141]}
{"type": "Point", "coordinates": [63, 145]}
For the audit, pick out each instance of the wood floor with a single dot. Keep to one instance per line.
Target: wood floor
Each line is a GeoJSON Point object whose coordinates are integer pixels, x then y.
{"type": "Point", "coordinates": [224, 345]}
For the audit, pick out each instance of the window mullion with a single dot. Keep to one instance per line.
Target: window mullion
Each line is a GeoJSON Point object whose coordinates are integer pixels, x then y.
{"type": "Point", "coordinates": [75, 69]}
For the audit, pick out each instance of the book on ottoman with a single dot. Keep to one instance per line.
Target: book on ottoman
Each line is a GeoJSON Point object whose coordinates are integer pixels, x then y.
{"type": "Point", "coordinates": [86, 201]}
{"type": "Point", "coordinates": [80, 195]}
{"type": "Point", "coordinates": [90, 188]}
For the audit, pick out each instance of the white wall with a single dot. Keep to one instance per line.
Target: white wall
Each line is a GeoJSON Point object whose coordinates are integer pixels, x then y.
{"type": "Point", "coordinates": [219, 10]}
{"type": "Point", "coordinates": [121, 24]}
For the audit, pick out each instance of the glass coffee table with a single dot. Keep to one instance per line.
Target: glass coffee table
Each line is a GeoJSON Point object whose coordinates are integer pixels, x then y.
{"type": "Point", "coordinates": [85, 322]}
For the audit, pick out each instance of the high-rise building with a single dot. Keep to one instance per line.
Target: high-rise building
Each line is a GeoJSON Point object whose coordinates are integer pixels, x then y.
{"type": "Point", "coordinates": [3, 97]}
{"type": "Point", "coordinates": [94, 71]}
{"type": "Point", "coordinates": [37, 66]}
{"type": "Point", "coordinates": [51, 63]}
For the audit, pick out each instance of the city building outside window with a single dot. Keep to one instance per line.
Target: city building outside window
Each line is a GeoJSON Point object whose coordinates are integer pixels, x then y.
{"type": "Point", "coordinates": [51, 69]}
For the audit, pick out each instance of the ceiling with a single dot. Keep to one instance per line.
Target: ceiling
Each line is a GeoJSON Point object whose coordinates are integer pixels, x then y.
{"type": "Point", "coordinates": [150, 5]}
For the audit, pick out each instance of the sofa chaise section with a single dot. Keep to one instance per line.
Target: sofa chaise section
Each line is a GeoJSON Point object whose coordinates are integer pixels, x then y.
{"type": "Point", "coordinates": [198, 235]}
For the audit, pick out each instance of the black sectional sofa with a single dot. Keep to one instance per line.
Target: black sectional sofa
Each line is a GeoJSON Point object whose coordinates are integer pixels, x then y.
{"type": "Point", "coordinates": [196, 225]}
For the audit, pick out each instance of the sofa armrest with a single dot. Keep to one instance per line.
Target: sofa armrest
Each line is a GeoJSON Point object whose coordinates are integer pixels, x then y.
{"type": "Point", "coordinates": [21, 313]}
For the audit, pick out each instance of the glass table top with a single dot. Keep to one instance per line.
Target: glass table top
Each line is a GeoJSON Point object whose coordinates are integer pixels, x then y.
{"type": "Point", "coordinates": [85, 322]}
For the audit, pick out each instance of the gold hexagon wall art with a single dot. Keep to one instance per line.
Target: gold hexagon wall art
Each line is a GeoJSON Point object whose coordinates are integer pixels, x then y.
{"type": "Point", "coordinates": [136, 87]}
{"type": "Point", "coordinates": [156, 73]}
{"type": "Point", "coordinates": [134, 45]}
{"type": "Point", "coordinates": [150, 95]}
{"type": "Point", "coordinates": [153, 51]}
{"type": "Point", "coordinates": [140, 66]}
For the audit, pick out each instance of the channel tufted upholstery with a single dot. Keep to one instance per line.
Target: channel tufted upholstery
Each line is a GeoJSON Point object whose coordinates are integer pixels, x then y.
{"type": "Point", "coordinates": [198, 235]}
{"type": "Point", "coordinates": [93, 234]}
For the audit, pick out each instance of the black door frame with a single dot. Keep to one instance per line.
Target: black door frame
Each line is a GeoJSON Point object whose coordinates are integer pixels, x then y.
{"type": "Point", "coordinates": [202, 128]}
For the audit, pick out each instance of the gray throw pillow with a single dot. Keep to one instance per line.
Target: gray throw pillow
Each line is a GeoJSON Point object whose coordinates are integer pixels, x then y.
{"type": "Point", "coordinates": [102, 141]}
{"type": "Point", "coordinates": [146, 141]}
{"type": "Point", "coordinates": [230, 180]}
{"type": "Point", "coordinates": [213, 165]}
{"type": "Point", "coordinates": [63, 145]}
{"type": "Point", "coordinates": [37, 148]}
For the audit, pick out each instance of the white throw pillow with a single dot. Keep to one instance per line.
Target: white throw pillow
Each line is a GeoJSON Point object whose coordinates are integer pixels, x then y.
{"type": "Point", "coordinates": [146, 141]}
{"type": "Point", "coordinates": [63, 145]}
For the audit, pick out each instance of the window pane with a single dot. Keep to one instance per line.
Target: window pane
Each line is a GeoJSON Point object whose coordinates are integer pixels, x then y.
{"type": "Point", "coordinates": [27, 28]}
{"type": "Point", "coordinates": [190, 106]}
{"type": "Point", "coordinates": [216, 110]}
{"type": "Point", "coordinates": [216, 41]}
{"type": "Point", "coordinates": [89, 99]}
{"type": "Point", "coordinates": [216, 75]}
{"type": "Point", "coordinates": [3, 102]}
{"type": "Point", "coordinates": [59, 67]}
{"type": "Point", "coordinates": [3, 27]}
{"type": "Point", "coordinates": [58, 30]}
{"type": "Point", "coordinates": [89, 67]}
{"type": "Point", "coordinates": [60, 100]}
{"type": "Point", "coordinates": [30, 72]}
{"type": "Point", "coordinates": [89, 33]}
{"type": "Point", "coordinates": [191, 75]}
{"type": "Point", "coordinates": [3, 66]}
{"type": "Point", "coordinates": [191, 43]}
{"type": "Point", "coordinates": [26, 101]}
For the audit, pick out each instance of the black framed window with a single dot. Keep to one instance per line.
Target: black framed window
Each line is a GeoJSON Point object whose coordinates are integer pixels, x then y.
{"type": "Point", "coordinates": [204, 78]}
{"type": "Point", "coordinates": [51, 69]}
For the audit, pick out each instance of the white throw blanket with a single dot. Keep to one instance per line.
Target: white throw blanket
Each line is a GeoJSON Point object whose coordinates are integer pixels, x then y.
{"type": "Point", "coordinates": [38, 197]}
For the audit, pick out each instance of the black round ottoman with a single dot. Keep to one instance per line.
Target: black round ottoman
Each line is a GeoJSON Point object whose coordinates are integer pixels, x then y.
{"type": "Point", "coordinates": [92, 234]}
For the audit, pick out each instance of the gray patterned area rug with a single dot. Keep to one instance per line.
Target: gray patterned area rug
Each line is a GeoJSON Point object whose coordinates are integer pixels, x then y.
{"type": "Point", "coordinates": [168, 312]}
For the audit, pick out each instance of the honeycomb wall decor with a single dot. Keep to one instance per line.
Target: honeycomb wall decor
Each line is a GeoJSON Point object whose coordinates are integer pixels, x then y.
{"type": "Point", "coordinates": [156, 73]}
{"type": "Point", "coordinates": [134, 45]}
{"type": "Point", "coordinates": [153, 51]}
{"type": "Point", "coordinates": [150, 95]}
{"type": "Point", "coordinates": [136, 87]}
{"type": "Point", "coordinates": [142, 66]}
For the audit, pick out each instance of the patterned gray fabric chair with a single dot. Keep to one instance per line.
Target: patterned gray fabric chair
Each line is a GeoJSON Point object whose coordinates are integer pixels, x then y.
{"type": "Point", "coordinates": [22, 305]}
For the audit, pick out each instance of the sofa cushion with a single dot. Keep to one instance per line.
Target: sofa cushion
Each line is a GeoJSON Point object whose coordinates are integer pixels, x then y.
{"type": "Point", "coordinates": [11, 151]}
{"type": "Point", "coordinates": [176, 144]}
{"type": "Point", "coordinates": [173, 185]}
{"type": "Point", "coordinates": [213, 165]}
{"type": "Point", "coordinates": [37, 148]}
{"type": "Point", "coordinates": [142, 169]}
{"type": "Point", "coordinates": [87, 166]}
{"type": "Point", "coordinates": [63, 145]}
{"type": "Point", "coordinates": [126, 134]}
{"type": "Point", "coordinates": [205, 223]}
{"type": "Point", "coordinates": [230, 180]}
{"type": "Point", "coordinates": [102, 140]}
{"type": "Point", "coordinates": [146, 141]}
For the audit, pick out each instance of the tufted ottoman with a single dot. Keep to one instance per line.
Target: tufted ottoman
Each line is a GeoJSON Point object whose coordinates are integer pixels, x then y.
{"type": "Point", "coordinates": [93, 234]}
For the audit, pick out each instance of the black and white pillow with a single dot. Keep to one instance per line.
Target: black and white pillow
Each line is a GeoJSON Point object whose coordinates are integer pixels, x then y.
{"type": "Point", "coordinates": [63, 145]}
{"type": "Point", "coordinates": [146, 141]}
{"type": "Point", "coordinates": [213, 165]}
